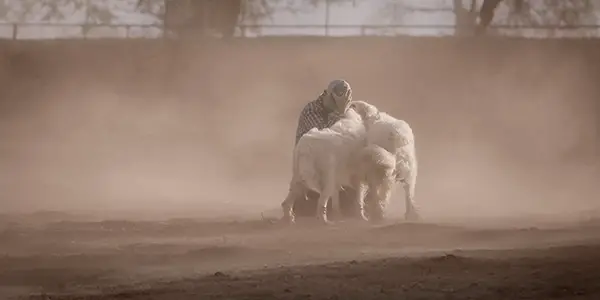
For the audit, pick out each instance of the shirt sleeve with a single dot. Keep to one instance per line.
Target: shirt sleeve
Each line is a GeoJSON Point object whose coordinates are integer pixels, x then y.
{"type": "Point", "coordinates": [307, 121]}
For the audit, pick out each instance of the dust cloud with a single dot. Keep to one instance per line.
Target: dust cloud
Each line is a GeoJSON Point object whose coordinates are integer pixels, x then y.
{"type": "Point", "coordinates": [207, 130]}
{"type": "Point", "coordinates": [97, 135]}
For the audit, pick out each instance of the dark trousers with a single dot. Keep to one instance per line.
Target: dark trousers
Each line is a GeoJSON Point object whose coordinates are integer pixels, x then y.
{"type": "Point", "coordinates": [308, 207]}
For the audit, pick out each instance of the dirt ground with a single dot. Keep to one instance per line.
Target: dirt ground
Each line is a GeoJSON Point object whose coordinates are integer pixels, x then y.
{"type": "Point", "coordinates": [262, 259]}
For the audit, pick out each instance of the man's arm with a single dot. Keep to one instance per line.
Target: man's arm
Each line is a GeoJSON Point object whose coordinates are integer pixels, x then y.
{"type": "Point", "coordinates": [308, 120]}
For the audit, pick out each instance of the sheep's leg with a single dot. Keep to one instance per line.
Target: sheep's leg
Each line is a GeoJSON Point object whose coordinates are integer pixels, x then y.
{"type": "Point", "coordinates": [328, 184]}
{"type": "Point", "coordinates": [295, 192]}
{"type": "Point", "coordinates": [383, 198]}
{"type": "Point", "coordinates": [411, 213]}
{"type": "Point", "coordinates": [322, 206]}
{"type": "Point", "coordinates": [357, 196]}
{"type": "Point", "coordinates": [360, 200]}
{"type": "Point", "coordinates": [409, 180]}
{"type": "Point", "coordinates": [374, 204]}
{"type": "Point", "coordinates": [336, 205]}
{"type": "Point", "coordinates": [380, 183]}
{"type": "Point", "coordinates": [329, 190]}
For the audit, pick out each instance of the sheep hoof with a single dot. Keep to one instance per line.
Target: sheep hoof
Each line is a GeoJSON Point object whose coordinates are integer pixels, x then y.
{"type": "Point", "coordinates": [363, 218]}
{"type": "Point", "coordinates": [324, 221]}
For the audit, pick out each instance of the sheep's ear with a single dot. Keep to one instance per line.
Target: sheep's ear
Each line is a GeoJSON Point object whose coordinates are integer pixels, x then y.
{"type": "Point", "coordinates": [372, 112]}
{"type": "Point", "coordinates": [361, 108]}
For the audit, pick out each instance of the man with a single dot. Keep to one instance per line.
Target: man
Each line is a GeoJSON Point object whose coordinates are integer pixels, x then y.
{"type": "Point", "coordinates": [322, 113]}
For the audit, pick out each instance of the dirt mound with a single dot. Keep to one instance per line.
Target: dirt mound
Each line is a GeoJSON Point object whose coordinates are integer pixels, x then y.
{"type": "Point", "coordinates": [559, 273]}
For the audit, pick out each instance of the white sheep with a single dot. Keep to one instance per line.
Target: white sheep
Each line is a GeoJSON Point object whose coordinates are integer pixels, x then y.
{"type": "Point", "coordinates": [397, 137]}
{"type": "Point", "coordinates": [328, 159]}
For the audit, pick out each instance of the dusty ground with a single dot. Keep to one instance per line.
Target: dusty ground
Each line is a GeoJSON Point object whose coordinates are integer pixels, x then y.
{"type": "Point", "coordinates": [196, 259]}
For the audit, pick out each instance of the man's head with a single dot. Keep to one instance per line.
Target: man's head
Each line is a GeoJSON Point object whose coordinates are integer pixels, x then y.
{"type": "Point", "coordinates": [338, 96]}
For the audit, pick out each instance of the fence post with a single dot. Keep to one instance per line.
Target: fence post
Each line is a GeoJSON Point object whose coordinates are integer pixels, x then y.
{"type": "Point", "coordinates": [86, 22]}
{"type": "Point", "coordinates": [206, 14]}
{"type": "Point", "coordinates": [14, 31]}
{"type": "Point", "coordinates": [326, 18]}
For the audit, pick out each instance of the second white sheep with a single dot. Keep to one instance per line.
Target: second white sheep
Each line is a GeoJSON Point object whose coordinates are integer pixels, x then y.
{"type": "Point", "coordinates": [395, 136]}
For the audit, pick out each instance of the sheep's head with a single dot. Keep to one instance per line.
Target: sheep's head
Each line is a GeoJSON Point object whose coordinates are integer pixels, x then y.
{"type": "Point", "coordinates": [367, 112]}
{"type": "Point", "coordinates": [352, 114]}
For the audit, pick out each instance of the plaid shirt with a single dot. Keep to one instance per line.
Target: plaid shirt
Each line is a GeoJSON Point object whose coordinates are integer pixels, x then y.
{"type": "Point", "coordinates": [314, 114]}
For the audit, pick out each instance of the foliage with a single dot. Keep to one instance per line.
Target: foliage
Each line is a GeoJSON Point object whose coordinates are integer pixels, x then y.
{"type": "Point", "coordinates": [78, 12]}
{"type": "Point", "coordinates": [123, 11]}
{"type": "Point", "coordinates": [551, 14]}
{"type": "Point", "coordinates": [191, 14]}
{"type": "Point", "coordinates": [43, 11]}
{"type": "Point", "coordinates": [542, 13]}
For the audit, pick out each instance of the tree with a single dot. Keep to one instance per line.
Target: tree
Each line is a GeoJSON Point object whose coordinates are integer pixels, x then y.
{"type": "Point", "coordinates": [549, 14]}
{"type": "Point", "coordinates": [224, 16]}
{"type": "Point", "coordinates": [486, 14]}
{"type": "Point", "coordinates": [464, 19]}
{"type": "Point", "coordinates": [181, 16]}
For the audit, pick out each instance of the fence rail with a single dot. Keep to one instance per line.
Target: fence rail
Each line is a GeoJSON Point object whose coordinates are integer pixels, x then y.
{"type": "Point", "coordinates": [89, 19]}
{"type": "Point", "coordinates": [18, 31]}
{"type": "Point", "coordinates": [78, 31]}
